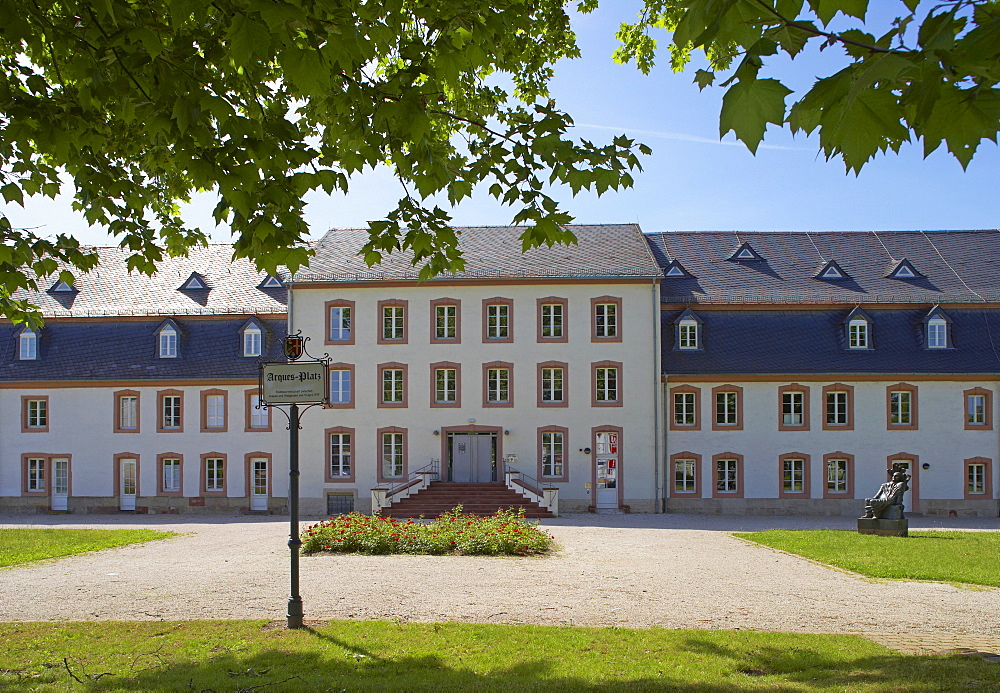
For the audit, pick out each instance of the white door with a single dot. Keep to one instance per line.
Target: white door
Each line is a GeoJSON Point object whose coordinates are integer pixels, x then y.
{"type": "Point", "coordinates": [606, 462]}
{"type": "Point", "coordinates": [258, 483]}
{"type": "Point", "coordinates": [60, 483]}
{"type": "Point", "coordinates": [127, 484]}
{"type": "Point", "coordinates": [910, 500]}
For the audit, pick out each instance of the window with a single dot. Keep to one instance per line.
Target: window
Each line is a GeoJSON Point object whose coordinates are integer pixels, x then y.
{"type": "Point", "coordinates": [551, 456]}
{"type": "Point", "coordinates": [35, 414]}
{"type": "Point", "coordinates": [392, 378]}
{"type": "Point", "coordinates": [253, 341]}
{"type": "Point", "coordinates": [687, 335]}
{"type": "Point", "coordinates": [858, 334]}
{"type": "Point", "coordinates": [793, 405]}
{"type": "Point", "coordinates": [685, 467]}
{"type": "Point", "coordinates": [978, 477]}
{"type": "Point", "coordinates": [497, 320]}
{"type": "Point", "coordinates": [445, 385]}
{"type": "Point", "coordinates": [685, 403]}
{"type": "Point", "coordinates": [937, 333]}
{"type": "Point", "coordinates": [728, 408]}
{"type": "Point", "coordinates": [35, 475]}
{"type": "Point", "coordinates": [214, 411]}
{"type": "Point", "coordinates": [498, 384]}
{"type": "Point", "coordinates": [446, 316]}
{"type": "Point", "coordinates": [606, 390]}
{"type": "Point", "coordinates": [839, 471]}
{"type": "Point", "coordinates": [341, 386]}
{"type": "Point", "coordinates": [551, 319]}
{"type": "Point", "coordinates": [606, 314]}
{"type": "Point", "coordinates": [257, 415]}
{"type": "Point", "coordinates": [728, 475]}
{"type": "Point", "coordinates": [838, 407]}
{"type": "Point", "coordinates": [169, 474]}
{"type": "Point", "coordinates": [902, 406]}
{"type": "Point", "coordinates": [552, 384]}
{"type": "Point", "coordinates": [392, 442]}
{"type": "Point", "coordinates": [168, 342]}
{"type": "Point", "coordinates": [27, 343]}
{"type": "Point", "coordinates": [794, 475]}
{"type": "Point", "coordinates": [126, 411]}
{"type": "Point", "coordinates": [171, 411]}
{"type": "Point", "coordinates": [214, 473]}
{"type": "Point", "coordinates": [978, 409]}
{"type": "Point", "coordinates": [339, 322]}
{"type": "Point", "coordinates": [392, 325]}
{"type": "Point", "coordinates": [339, 466]}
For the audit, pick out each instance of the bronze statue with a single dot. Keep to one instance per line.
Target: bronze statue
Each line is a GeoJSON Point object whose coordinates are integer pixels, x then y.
{"type": "Point", "coordinates": [889, 494]}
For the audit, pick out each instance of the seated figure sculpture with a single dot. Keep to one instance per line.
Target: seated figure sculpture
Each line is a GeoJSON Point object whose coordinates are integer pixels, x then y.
{"type": "Point", "coordinates": [889, 494]}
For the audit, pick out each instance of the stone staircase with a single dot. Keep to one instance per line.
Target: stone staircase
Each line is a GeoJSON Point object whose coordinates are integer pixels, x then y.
{"type": "Point", "coordinates": [481, 499]}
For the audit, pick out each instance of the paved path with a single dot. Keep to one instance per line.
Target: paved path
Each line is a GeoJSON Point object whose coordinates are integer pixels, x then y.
{"type": "Point", "coordinates": [674, 571]}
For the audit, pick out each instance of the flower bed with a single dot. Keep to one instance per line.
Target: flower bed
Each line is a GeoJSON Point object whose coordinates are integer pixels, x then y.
{"type": "Point", "coordinates": [505, 533]}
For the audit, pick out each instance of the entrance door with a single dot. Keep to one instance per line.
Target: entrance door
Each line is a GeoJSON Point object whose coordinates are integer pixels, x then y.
{"type": "Point", "coordinates": [911, 501]}
{"type": "Point", "coordinates": [258, 483]}
{"type": "Point", "coordinates": [606, 468]}
{"type": "Point", "coordinates": [472, 457]}
{"type": "Point", "coordinates": [127, 484]}
{"type": "Point", "coordinates": [60, 483]}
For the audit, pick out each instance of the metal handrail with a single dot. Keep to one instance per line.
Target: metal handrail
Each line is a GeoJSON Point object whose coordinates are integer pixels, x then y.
{"type": "Point", "coordinates": [528, 482]}
{"type": "Point", "coordinates": [413, 477]}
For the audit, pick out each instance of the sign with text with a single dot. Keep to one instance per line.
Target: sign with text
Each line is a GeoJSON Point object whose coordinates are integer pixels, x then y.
{"type": "Point", "coordinates": [302, 382]}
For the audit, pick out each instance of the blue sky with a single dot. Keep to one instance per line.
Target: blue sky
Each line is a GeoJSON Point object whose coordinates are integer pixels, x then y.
{"type": "Point", "coordinates": [692, 181]}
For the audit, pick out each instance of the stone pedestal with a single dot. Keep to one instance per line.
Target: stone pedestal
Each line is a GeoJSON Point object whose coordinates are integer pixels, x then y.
{"type": "Point", "coordinates": [883, 527]}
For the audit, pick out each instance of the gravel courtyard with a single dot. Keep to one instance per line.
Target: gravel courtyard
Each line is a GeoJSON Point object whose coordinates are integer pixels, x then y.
{"type": "Point", "coordinates": [675, 571]}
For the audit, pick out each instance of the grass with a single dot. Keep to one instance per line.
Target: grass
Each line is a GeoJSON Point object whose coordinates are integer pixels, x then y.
{"type": "Point", "coordinates": [390, 656]}
{"type": "Point", "coordinates": [19, 546]}
{"type": "Point", "coordinates": [964, 557]}
{"type": "Point", "coordinates": [504, 533]}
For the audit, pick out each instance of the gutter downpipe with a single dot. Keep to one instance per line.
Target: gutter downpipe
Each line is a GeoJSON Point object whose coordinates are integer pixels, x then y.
{"type": "Point", "coordinates": [659, 490]}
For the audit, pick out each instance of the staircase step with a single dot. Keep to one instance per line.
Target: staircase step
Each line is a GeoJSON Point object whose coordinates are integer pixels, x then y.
{"type": "Point", "coordinates": [485, 498]}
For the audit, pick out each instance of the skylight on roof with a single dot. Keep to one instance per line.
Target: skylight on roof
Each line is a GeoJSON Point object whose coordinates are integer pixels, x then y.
{"type": "Point", "coordinates": [831, 270]}
{"type": "Point", "coordinates": [61, 287]}
{"type": "Point", "coordinates": [270, 282]}
{"type": "Point", "coordinates": [194, 282]}
{"type": "Point", "coordinates": [675, 270]}
{"type": "Point", "coordinates": [904, 270]}
{"type": "Point", "coordinates": [745, 252]}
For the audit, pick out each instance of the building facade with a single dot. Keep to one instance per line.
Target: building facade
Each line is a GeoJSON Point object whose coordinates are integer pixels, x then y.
{"type": "Point", "coordinates": [675, 372]}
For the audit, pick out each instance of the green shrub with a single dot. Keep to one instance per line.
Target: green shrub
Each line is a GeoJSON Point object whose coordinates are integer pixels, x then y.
{"type": "Point", "coordinates": [504, 533]}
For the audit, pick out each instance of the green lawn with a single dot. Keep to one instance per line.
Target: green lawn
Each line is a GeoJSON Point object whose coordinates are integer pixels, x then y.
{"type": "Point", "coordinates": [384, 656]}
{"type": "Point", "coordinates": [966, 557]}
{"type": "Point", "coordinates": [19, 546]}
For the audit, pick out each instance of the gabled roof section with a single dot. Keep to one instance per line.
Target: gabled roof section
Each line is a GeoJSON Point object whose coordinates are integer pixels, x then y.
{"type": "Point", "coordinates": [831, 271]}
{"type": "Point", "coordinates": [111, 289]}
{"type": "Point", "coordinates": [858, 314]}
{"type": "Point", "coordinates": [271, 282]}
{"type": "Point", "coordinates": [493, 253]}
{"type": "Point", "coordinates": [689, 315]}
{"type": "Point", "coordinates": [903, 269]}
{"type": "Point", "coordinates": [168, 323]}
{"type": "Point", "coordinates": [252, 323]}
{"type": "Point", "coordinates": [744, 253]}
{"type": "Point", "coordinates": [195, 282]}
{"type": "Point", "coordinates": [675, 270]}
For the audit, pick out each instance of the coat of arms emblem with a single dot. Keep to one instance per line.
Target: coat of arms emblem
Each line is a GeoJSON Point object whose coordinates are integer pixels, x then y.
{"type": "Point", "coordinates": [293, 347]}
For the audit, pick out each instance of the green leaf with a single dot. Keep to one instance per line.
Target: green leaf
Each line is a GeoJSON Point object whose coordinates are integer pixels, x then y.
{"type": "Point", "coordinates": [12, 193]}
{"type": "Point", "coordinates": [747, 108]}
{"type": "Point", "coordinates": [826, 10]}
{"type": "Point", "coordinates": [963, 118]}
{"type": "Point", "coordinates": [704, 78]}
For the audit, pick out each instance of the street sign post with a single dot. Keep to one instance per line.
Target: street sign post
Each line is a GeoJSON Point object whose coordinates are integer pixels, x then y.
{"type": "Point", "coordinates": [292, 384]}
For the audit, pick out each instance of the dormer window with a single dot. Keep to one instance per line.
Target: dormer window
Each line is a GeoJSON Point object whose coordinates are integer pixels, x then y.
{"type": "Point", "coordinates": [745, 252]}
{"type": "Point", "coordinates": [938, 329]}
{"type": "Point", "coordinates": [253, 339]}
{"type": "Point", "coordinates": [195, 282]}
{"type": "Point", "coordinates": [688, 327]}
{"type": "Point", "coordinates": [27, 345]}
{"type": "Point", "coordinates": [168, 339]}
{"type": "Point", "coordinates": [831, 271]}
{"type": "Point", "coordinates": [61, 287]}
{"type": "Point", "coordinates": [675, 270]}
{"type": "Point", "coordinates": [904, 270]}
{"type": "Point", "coordinates": [859, 334]}
{"type": "Point", "coordinates": [270, 282]}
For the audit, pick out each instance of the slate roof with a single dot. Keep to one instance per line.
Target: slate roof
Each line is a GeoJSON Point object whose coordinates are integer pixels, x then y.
{"type": "Point", "coordinates": [748, 342]}
{"type": "Point", "coordinates": [101, 350]}
{"type": "Point", "coordinates": [956, 267]}
{"type": "Point", "coordinates": [111, 290]}
{"type": "Point", "coordinates": [494, 252]}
